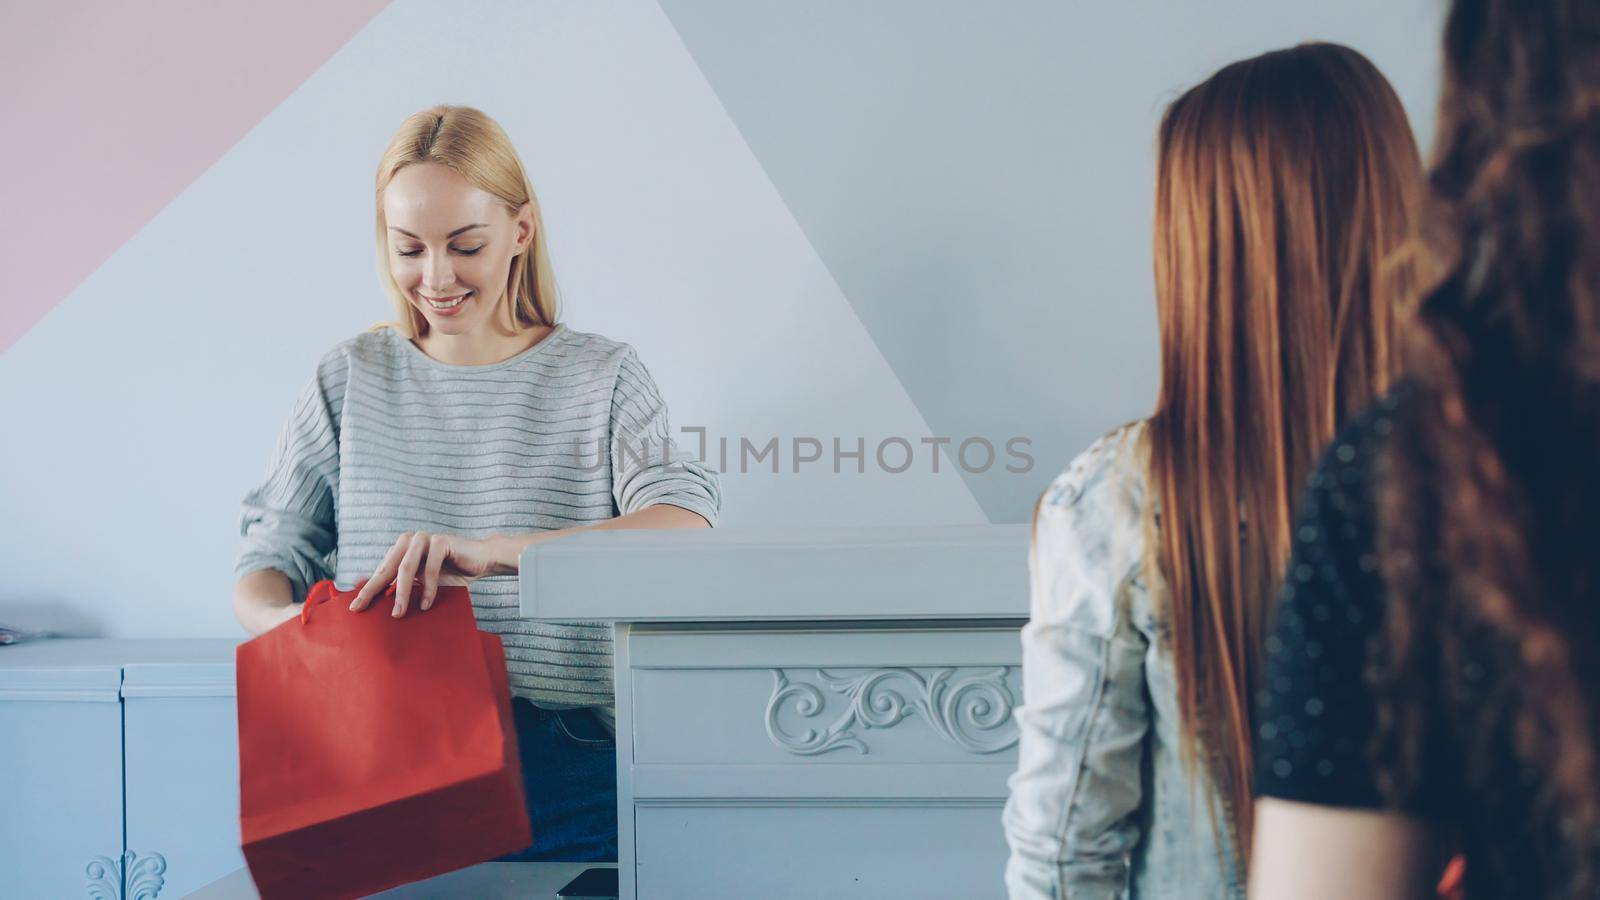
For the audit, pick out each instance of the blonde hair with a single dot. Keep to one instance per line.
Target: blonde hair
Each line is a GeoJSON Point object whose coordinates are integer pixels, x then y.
{"type": "Point", "coordinates": [474, 146]}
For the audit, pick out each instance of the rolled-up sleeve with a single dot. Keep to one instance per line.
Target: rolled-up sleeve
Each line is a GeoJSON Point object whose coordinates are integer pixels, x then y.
{"type": "Point", "coordinates": [647, 466]}
{"type": "Point", "coordinates": [1071, 816]}
{"type": "Point", "coordinates": [287, 522]}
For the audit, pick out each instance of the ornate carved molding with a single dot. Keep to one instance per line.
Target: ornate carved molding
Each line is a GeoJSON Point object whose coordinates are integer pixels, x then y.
{"type": "Point", "coordinates": [143, 876]}
{"type": "Point", "coordinates": [970, 708]}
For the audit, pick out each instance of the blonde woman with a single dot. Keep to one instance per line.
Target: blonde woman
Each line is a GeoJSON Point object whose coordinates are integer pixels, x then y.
{"type": "Point", "coordinates": [1284, 185]}
{"type": "Point", "coordinates": [432, 450]}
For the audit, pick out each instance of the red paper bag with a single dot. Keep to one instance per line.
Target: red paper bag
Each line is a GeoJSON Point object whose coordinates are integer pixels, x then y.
{"type": "Point", "coordinates": [375, 751]}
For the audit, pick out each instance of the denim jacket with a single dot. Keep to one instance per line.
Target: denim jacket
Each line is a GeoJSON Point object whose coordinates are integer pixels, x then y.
{"type": "Point", "coordinates": [1100, 804]}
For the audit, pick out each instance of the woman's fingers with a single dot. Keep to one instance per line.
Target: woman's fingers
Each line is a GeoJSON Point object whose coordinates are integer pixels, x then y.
{"type": "Point", "coordinates": [414, 553]}
{"type": "Point", "coordinates": [408, 572]}
{"type": "Point", "coordinates": [438, 552]}
{"type": "Point", "coordinates": [383, 575]}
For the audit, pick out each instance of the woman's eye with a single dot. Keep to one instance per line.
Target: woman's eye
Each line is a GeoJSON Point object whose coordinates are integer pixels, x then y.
{"type": "Point", "coordinates": [471, 252]}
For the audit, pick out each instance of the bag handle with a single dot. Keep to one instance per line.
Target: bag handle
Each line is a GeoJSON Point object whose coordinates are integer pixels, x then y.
{"type": "Point", "coordinates": [322, 592]}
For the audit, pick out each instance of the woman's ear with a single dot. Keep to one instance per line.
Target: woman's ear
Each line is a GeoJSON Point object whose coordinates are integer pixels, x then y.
{"type": "Point", "coordinates": [524, 227]}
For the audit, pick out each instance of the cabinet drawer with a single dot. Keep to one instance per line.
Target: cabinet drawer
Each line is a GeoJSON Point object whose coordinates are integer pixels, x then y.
{"type": "Point", "coordinates": [801, 853]}
{"type": "Point", "coordinates": [793, 704]}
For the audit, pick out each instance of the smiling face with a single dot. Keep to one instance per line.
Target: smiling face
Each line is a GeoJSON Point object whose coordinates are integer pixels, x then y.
{"type": "Point", "coordinates": [451, 246]}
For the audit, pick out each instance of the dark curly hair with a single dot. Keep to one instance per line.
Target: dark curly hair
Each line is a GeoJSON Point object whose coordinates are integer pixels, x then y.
{"type": "Point", "coordinates": [1488, 673]}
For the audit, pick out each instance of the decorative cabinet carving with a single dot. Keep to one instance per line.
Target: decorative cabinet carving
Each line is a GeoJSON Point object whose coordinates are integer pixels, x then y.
{"type": "Point", "coordinates": [128, 877]}
{"type": "Point", "coordinates": [970, 708]}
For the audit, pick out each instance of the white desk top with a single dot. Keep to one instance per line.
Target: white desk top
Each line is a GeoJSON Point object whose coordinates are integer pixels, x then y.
{"type": "Point", "coordinates": [488, 881]}
{"type": "Point", "coordinates": [106, 670]}
{"type": "Point", "coordinates": [51, 653]}
{"type": "Point", "coordinates": [779, 574]}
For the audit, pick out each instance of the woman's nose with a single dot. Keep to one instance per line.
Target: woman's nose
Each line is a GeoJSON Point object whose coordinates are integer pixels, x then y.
{"type": "Point", "coordinates": [436, 272]}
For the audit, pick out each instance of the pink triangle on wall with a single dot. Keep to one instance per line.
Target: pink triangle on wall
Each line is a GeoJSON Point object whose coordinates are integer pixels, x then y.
{"type": "Point", "coordinates": [111, 110]}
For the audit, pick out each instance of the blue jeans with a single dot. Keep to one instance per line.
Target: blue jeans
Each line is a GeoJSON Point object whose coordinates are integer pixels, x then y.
{"type": "Point", "coordinates": [569, 777]}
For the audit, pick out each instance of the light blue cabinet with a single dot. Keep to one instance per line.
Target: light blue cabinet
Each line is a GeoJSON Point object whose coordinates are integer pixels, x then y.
{"type": "Point", "coordinates": [120, 763]}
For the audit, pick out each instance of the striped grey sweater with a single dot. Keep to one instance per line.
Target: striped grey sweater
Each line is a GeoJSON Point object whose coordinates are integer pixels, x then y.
{"type": "Point", "coordinates": [385, 439]}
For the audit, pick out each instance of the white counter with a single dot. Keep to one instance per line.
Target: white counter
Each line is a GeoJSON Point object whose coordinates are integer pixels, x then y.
{"type": "Point", "coordinates": [804, 712]}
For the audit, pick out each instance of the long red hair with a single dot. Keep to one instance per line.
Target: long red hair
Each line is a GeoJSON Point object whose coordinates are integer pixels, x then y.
{"type": "Point", "coordinates": [1286, 185]}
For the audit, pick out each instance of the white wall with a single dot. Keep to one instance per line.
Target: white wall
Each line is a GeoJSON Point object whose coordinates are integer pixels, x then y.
{"type": "Point", "coordinates": [827, 220]}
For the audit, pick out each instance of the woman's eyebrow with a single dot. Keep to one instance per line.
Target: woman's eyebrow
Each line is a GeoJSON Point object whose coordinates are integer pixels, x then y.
{"type": "Point", "coordinates": [450, 235]}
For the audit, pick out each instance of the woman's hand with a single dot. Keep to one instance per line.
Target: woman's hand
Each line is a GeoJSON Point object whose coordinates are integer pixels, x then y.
{"type": "Point", "coordinates": [448, 559]}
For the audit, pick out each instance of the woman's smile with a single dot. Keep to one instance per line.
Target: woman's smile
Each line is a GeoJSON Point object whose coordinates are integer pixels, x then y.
{"type": "Point", "coordinates": [447, 306]}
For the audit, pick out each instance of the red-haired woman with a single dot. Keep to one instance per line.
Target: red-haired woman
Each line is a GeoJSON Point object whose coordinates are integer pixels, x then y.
{"type": "Point", "coordinates": [1285, 184]}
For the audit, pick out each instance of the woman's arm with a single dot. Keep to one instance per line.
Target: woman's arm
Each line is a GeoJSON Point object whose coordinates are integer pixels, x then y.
{"type": "Point", "coordinates": [287, 524]}
{"type": "Point", "coordinates": [262, 599]}
{"type": "Point", "coordinates": [437, 559]}
{"type": "Point", "coordinates": [648, 468]}
{"type": "Point", "coordinates": [1303, 851]}
{"type": "Point", "coordinates": [506, 549]}
{"type": "Point", "coordinates": [653, 483]}
{"type": "Point", "coordinates": [1323, 828]}
{"type": "Point", "coordinates": [1071, 816]}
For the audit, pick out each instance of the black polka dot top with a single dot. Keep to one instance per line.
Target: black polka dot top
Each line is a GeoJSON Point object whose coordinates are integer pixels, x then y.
{"type": "Point", "coordinates": [1315, 711]}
